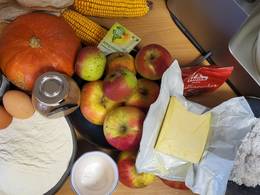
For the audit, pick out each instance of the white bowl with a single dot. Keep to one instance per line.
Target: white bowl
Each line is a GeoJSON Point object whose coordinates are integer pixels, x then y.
{"type": "Point", "coordinates": [244, 45]}
{"type": "Point", "coordinates": [94, 173]}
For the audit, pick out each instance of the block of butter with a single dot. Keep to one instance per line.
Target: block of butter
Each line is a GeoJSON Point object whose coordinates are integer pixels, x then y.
{"type": "Point", "coordinates": [118, 39]}
{"type": "Point", "coordinates": [183, 134]}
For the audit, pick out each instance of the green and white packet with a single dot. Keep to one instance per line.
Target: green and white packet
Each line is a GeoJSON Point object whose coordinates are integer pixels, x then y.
{"type": "Point", "coordinates": [118, 39]}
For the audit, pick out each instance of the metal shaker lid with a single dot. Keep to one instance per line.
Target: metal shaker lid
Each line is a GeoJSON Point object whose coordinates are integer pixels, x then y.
{"type": "Point", "coordinates": [51, 88]}
{"type": "Point", "coordinates": [4, 85]}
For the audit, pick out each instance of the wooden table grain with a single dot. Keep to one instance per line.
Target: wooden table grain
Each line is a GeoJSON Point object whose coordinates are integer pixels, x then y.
{"type": "Point", "coordinates": [157, 27]}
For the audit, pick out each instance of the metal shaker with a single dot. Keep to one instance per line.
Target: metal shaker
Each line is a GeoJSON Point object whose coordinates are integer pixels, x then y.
{"type": "Point", "coordinates": [55, 95]}
{"type": "Point", "coordinates": [4, 85]}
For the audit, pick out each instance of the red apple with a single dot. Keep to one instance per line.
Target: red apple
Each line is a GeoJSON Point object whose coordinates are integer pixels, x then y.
{"type": "Point", "coordinates": [120, 60]}
{"type": "Point", "coordinates": [128, 174]}
{"type": "Point", "coordinates": [175, 184]}
{"type": "Point", "coordinates": [152, 61]}
{"type": "Point", "coordinates": [90, 63]}
{"type": "Point", "coordinates": [94, 105]}
{"type": "Point", "coordinates": [123, 127]}
{"type": "Point", "coordinates": [145, 94]}
{"type": "Point", "coordinates": [120, 84]}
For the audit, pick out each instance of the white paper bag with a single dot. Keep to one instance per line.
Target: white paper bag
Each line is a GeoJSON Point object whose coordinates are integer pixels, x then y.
{"type": "Point", "coordinates": [10, 9]}
{"type": "Point", "coordinates": [45, 3]}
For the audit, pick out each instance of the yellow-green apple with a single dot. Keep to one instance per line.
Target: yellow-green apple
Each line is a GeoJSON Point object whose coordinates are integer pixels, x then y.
{"type": "Point", "coordinates": [145, 94]}
{"type": "Point", "coordinates": [120, 60]}
{"type": "Point", "coordinates": [128, 174]}
{"type": "Point", "coordinates": [94, 105]}
{"type": "Point", "coordinates": [152, 61]}
{"type": "Point", "coordinates": [123, 127]}
{"type": "Point", "coordinates": [175, 184]}
{"type": "Point", "coordinates": [120, 84]}
{"type": "Point", "coordinates": [90, 63]}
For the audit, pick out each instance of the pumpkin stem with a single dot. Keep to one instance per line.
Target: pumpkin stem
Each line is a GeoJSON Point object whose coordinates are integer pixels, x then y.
{"type": "Point", "coordinates": [35, 42]}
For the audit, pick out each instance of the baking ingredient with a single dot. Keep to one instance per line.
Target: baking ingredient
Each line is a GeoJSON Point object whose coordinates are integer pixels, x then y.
{"type": "Point", "coordinates": [118, 39]}
{"type": "Point", "coordinates": [246, 168]}
{"type": "Point", "coordinates": [183, 134]}
{"type": "Point", "coordinates": [175, 184]}
{"type": "Point", "coordinates": [18, 104]}
{"type": "Point", "coordinates": [55, 95]}
{"type": "Point", "coordinates": [87, 30]}
{"type": "Point", "coordinates": [5, 118]}
{"type": "Point", "coordinates": [94, 105]}
{"type": "Point", "coordinates": [152, 61]}
{"type": "Point", "coordinates": [45, 3]}
{"type": "Point", "coordinates": [128, 174]}
{"type": "Point", "coordinates": [120, 60]}
{"type": "Point", "coordinates": [35, 153]}
{"type": "Point", "coordinates": [40, 43]}
{"type": "Point", "coordinates": [119, 84]}
{"type": "Point", "coordinates": [90, 63]}
{"type": "Point", "coordinates": [144, 95]}
{"type": "Point", "coordinates": [201, 79]}
{"type": "Point", "coordinates": [123, 127]}
{"type": "Point", "coordinates": [114, 8]}
{"type": "Point", "coordinates": [94, 173]}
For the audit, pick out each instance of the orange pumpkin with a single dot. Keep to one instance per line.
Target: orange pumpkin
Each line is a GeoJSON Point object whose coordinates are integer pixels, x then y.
{"type": "Point", "coordinates": [35, 43]}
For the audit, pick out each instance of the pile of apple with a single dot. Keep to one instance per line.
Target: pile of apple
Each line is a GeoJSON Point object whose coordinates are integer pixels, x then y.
{"type": "Point", "coordinates": [119, 92]}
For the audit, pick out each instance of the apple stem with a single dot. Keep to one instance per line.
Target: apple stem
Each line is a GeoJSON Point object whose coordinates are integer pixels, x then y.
{"type": "Point", "coordinates": [150, 5]}
{"type": "Point", "coordinates": [123, 129]}
{"type": "Point", "coordinates": [103, 101]}
{"type": "Point", "coordinates": [152, 57]}
{"type": "Point", "coordinates": [142, 91]}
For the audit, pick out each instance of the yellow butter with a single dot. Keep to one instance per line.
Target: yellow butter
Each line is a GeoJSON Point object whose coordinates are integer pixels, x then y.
{"type": "Point", "coordinates": [183, 134]}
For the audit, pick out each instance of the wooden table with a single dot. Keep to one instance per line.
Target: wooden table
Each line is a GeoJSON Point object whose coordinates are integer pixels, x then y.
{"type": "Point", "coordinates": [157, 27]}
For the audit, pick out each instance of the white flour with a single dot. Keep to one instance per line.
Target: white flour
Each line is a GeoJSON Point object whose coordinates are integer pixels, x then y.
{"type": "Point", "coordinates": [246, 168]}
{"type": "Point", "coordinates": [34, 154]}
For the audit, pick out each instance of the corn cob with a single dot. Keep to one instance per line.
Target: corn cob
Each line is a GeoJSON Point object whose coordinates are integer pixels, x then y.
{"type": "Point", "coordinates": [88, 31]}
{"type": "Point", "coordinates": [112, 8]}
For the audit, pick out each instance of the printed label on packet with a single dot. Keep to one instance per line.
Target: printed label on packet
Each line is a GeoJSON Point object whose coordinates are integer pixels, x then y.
{"type": "Point", "coordinates": [118, 39]}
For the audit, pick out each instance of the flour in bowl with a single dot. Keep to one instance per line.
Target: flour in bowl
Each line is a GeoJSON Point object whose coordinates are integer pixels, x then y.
{"type": "Point", "coordinates": [246, 168]}
{"type": "Point", "coordinates": [34, 154]}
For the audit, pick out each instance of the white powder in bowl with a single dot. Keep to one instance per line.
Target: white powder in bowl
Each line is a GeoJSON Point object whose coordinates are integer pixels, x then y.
{"type": "Point", "coordinates": [34, 154]}
{"type": "Point", "coordinates": [94, 173]}
{"type": "Point", "coordinates": [246, 168]}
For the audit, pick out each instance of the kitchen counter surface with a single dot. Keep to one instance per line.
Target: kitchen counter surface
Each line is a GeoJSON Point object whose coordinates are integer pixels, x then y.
{"type": "Point", "coordinates": [157, 27]}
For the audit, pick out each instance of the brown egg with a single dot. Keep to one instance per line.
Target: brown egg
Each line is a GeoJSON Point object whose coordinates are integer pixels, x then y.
{"type": "Point", "coordinates": [5, 118]}
{"type": "Point", "coordinates": [18, 104]}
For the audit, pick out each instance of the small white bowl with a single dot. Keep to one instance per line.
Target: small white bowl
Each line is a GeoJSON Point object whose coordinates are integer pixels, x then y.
{"type": "Point", "coordinates": [94, 173]}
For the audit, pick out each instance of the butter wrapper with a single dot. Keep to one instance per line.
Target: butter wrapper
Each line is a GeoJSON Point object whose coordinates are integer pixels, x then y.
{"type": "Point", "coordinates": [230, 122]}
{"type": "Point", "coordinates": [118, 39]}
